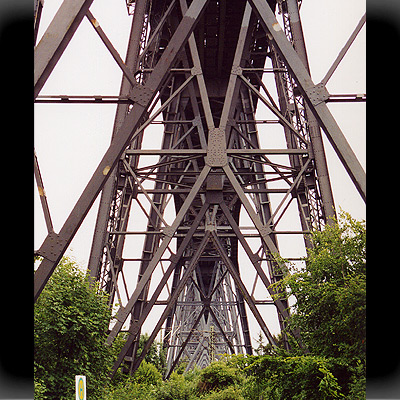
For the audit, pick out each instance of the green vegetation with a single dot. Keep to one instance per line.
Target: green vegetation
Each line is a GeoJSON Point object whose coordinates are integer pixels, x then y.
{"type": "Point", "coordinates": [71, 320]}
{"type": "Point", "coordinates": [331, 292]}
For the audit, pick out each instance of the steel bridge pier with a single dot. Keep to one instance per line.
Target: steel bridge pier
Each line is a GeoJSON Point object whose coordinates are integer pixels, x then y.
{"type": "Point", "coordinates": [214, 189]}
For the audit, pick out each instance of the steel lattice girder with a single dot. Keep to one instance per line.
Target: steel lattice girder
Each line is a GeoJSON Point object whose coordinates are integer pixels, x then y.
{"type": "Point", "coordinates": [54, 245]}
{"type": "Point", "coordinates": [221, 159]}
{"type": "Point", "coordinates": [315, 96]}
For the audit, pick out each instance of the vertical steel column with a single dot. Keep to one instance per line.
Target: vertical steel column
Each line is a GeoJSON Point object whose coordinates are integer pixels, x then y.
{"type": "Point", "coordinates": [37, 15]}
{"type": "Point", "coordinates": [315, 95]}
{"type": "Point", "coordinates": [109, 191]}
{"type": "Point", "coordinates": [200, 68]}
{"type": "Point", "coordinates": [315, 130]}
{"type": "Point", "coordinates": [54, 246]}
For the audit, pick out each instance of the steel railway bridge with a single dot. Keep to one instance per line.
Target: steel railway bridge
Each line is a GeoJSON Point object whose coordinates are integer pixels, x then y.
{"type": "Point", "coordinates": [196, 69]}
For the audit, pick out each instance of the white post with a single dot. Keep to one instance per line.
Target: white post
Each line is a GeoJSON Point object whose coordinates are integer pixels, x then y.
{"type": "Point", "coordinates": [80, 387]}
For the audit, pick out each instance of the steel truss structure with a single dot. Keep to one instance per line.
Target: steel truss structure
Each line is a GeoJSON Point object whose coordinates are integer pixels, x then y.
{"type": "Point", "coordinates": [196, 68]}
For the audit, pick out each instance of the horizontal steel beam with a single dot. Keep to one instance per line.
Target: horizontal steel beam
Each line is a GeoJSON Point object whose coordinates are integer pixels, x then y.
{"type": "Point", "coordinates": [183, 152]}
{"type": "Point", "coordinates": [345, 98]}
{"type": "Point", "coordinates": [71, 99]}
{"type": "Point", "coordinates": [212, 303]}
{"type": "Point", "coordinates": [220, 234]}
{"type": "Point", "coordinates": [186, 191]}
{"type": "Point", "coordinates": [267, 151]}
{"type": "Point", "coordinates": [55, 245]}
{"type": "Point", "coordinates": [315, 95]}
{"type": "Point", "coordinates": [56, 38]}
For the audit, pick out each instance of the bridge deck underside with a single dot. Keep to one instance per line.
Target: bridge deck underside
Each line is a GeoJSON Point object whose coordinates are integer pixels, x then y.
{"type": "Point", "coordinates": [216, 154]}
{"type": "Point", "coordinates": [215, 83]}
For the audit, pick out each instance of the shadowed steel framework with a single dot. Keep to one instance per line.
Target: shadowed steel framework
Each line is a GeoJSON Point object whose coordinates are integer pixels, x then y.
{"type": "Point", "coordinates": [197, 68]}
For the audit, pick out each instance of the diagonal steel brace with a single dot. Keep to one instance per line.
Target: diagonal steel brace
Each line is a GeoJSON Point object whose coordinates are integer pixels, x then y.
{"type": "Point", "coordinates": [117, 146]}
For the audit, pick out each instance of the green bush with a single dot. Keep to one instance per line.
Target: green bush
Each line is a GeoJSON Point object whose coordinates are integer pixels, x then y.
{"type": "Point", "coordinates": [129, 390]}
{"type": "Point", "coordinates": [330, 290]}
{"type": "Point", "coordinates": [218, 375]}
{"type": "Point", "coordinates": [176, 388]}
{"type": "Point", "coordinates": [230, 393]}
{"type": "Point", "coordinates": [141, 386]}
{"type": "Point", "coordinates": [71, 319]}
{"type": "Point", "coordinates": [147, 374]}
{"type": "Point", "coordinates": [298, 378]}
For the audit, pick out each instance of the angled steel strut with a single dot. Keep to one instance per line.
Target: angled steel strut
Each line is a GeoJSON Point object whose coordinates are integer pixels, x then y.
{"type": "Point", "coordinates": [215, 193]}
{"type": "Point", "coordinates": [54, 245]}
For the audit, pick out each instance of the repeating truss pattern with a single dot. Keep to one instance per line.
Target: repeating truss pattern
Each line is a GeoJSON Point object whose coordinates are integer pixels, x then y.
{"type": "Point", "coordinates": [197, 68]}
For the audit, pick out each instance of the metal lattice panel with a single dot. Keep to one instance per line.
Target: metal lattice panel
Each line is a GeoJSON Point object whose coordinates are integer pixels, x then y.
{"type": "Point", "coordinates": [197, 70]}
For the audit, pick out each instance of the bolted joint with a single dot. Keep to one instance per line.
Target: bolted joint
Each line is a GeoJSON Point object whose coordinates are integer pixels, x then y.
{"type": "Point", "coordinates": [216, 151]}
{"type": "Point", "coordinates": [52, 247]}
{"type": "Point", "coordinates": [265, 231]}
{"type": "Point", "coordinates": [317, 94]}
{"type": "Point", "coordinates": [141, 94]}
{"type": "Point", "coordinates": [174, 259]}
{"type": "Point", "coordinates": [236, 70]}
{"type": "Point", "coordinates": [196, 71]}
{"type": "Point", "coordinates": [210, 227]}
{"type": "Point", "coordinates": [197, 121]}
{"type": "Point", "coordinates": [168, 231]}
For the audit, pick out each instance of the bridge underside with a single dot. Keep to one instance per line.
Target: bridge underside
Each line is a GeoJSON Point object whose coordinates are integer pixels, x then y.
{"type": "Point", "coordinates": [210, 94]}
{"type": "Point", "coordinates": [216, 186]}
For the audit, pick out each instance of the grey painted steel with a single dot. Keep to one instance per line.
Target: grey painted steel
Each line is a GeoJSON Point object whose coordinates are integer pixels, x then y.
{"type": "Point", "coordinates": [42, 194]}
{"type": "Point", "coordinates": [126, 71]}
{"type": "Point", "coordinates": [171, 302]}
{"type": "Point", "coordinates": [56, 38]}
{"type": "Point", "coordinates": [242, 288]}
{"type": "Point", "coordinates": [315, 131]}
{"type": "Point", "coordinates": [37, 16]}
{"type": "Point", "coordinates": [315, 96]}
{"type": "Point", "coordinates": [344, 50]}
{"type": "Point", "coordinates": [168, 232]}
{"type": "Point", "coordinates": [54, 246]}
{"type": "Point", "coordinates": [108, 192]}
{"type": "Point", "coordinates": [210, 163]}
{"type": "Point", "coordinates": [183, 346]}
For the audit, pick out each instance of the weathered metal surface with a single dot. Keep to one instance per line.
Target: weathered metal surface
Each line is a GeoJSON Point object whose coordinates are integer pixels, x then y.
{"type": "Point", "coordinates": [206, 69]}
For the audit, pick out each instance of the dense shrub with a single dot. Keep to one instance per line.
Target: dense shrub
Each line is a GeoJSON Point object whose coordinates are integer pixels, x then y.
{"type": "Point", "coordinates": [218, 375]}
{"type": "Point", "coordinates": [176, 388]}
{"type": "Point", "coordinates": [147, 374]}
{"type": "Point", "coordinates": [297, 378]}
{"type": "Point", "coordinates": [71, 319]}
{"type": "Point", "coordinates": [230, 393]}
{"type": "Point", "coordinates": [129, 390]}
{"type": "Point", "coordinates": [330, 290]}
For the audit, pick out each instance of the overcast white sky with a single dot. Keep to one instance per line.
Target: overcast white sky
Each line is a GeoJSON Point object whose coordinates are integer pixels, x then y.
{"type": "Point", "coordinates": [70, 140]}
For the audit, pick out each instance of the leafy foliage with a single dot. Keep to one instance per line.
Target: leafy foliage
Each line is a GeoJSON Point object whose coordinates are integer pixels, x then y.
{"type": "Point", "coordinates": [218, 375]}
{"type": "Point", "coordinates": [176, 388]}
{"type": "Point", "coordinates": [301, 377]}
{"type": "Point", "coordinates": [147, 374]}
{"type": "Point", "coordinates": [71, 320]}
{"type": "Point", "coordinates": [230, 393]}
{"type": "Point", "coordinates": [139, 386]}
{"type": "Point", "coordinates": [128, 390]}
{"type": "Point", "coordinates": [155, 355]}
{"type": "Point", "coordinates": [331, 292]}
